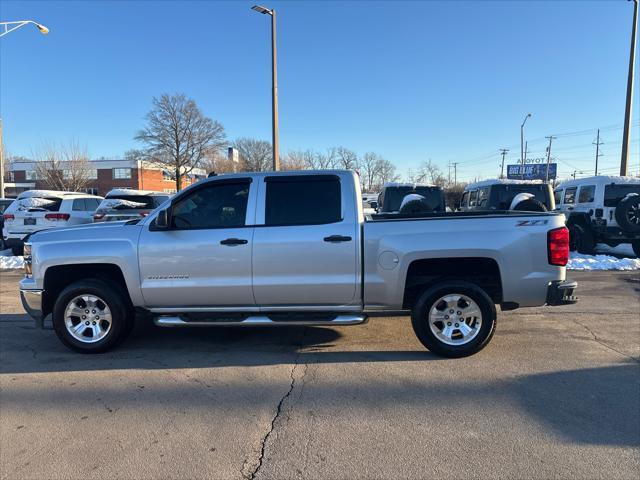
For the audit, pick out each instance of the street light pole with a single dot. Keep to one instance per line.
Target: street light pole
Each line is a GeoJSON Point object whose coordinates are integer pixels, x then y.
{"type": "Point", "coordinates": [522, 144]}
{"type": "Point", "coordinates": [8, 27]}
{"type": "Point", "coordinates": [274, 86]}
{"type": "Point", "coordinates": [624, 157]}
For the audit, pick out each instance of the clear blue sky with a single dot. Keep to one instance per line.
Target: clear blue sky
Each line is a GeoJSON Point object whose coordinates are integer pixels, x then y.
{"type": "Point", "coordinates": [450, 81]}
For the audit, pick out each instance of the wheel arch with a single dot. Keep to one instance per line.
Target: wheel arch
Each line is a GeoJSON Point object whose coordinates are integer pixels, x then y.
{"type": "Point", "coordinates": [58, 277]}
{"type": "Point", "coordinates": [425, 273]}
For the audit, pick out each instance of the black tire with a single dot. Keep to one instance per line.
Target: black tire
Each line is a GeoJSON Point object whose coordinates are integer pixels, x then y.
{"type": "Point", "coordinates": [2, 245]}
{"type": "Point", "coordinates": [426, 301]}
{"type": "Point", "coordinates": [414, 206]}
{"type": "Point", "coordinates": [530, 205]}
{"type": "Point", "coordinates": [628, 214]}
{"type": "Point", "coordinates": [17, 251]}
{"type": "Point", "coordinates": [114, 298]}
{"type": "Point", "coordinates": [581, 239]}
{"type": "Point", "coordinates": [636, 247]}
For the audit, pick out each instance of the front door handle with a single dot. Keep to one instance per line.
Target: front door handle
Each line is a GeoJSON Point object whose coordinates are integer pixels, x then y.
{"type": "Point", "coordinates": [337, 238]}
{"type": "Point", "coordinates": [234, 241]}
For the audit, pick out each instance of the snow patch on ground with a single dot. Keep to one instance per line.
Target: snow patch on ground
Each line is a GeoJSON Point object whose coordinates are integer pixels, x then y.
{"type": "Point", "coordinates": [8, 262]}
{"type": "Point", "coordinates": [579, 261]}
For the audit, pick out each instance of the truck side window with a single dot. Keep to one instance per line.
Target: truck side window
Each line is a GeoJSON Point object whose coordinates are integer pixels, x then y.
{"type": "Point", "coordinates": [557, 196]}
{"type": "Point", "coordinates": [570, 195]}
{"type": "Point", "coordinates": [483, 196]}
{"type": "Point", "coordinates": [303, 200]}
{"type": "Point", "coordinates": [587, 193]}
{"type": "Point", "coordinates": [465, 199]}
{"type": "Point", "coordinates": [214, 206]}
{"type": "Point", "coordinates": [472, 198]}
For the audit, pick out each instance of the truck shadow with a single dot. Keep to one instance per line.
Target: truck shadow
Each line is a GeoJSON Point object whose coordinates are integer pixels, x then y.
{"type": "Point", "coordinates": [596, 406]}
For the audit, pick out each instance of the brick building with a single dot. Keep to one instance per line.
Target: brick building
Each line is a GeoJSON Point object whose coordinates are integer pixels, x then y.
{"type": "Point", "coordinates": [105, 175]}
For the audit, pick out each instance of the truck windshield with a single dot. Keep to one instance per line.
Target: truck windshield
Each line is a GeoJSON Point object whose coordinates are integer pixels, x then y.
{"type": "Point", "coordinates": [393, 197]}
{"type": "Point", "coordinates": [613, 193]}
{"type": "Point", "coordinates": [505, 194]}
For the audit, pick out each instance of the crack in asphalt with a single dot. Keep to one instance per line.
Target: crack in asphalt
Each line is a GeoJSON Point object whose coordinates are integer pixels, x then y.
{"type": "Point", "coordinates": [601, 342]}
{"type": "Point", "coordinates": [251, 475]}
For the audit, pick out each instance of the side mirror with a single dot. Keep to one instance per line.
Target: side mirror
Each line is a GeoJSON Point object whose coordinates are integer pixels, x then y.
{"type": "Point", "coordinates": [162, 219]}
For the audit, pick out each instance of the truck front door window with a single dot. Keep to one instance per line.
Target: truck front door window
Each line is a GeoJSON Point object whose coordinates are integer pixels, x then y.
{"type": "Point", "coordinates": [215, 206]}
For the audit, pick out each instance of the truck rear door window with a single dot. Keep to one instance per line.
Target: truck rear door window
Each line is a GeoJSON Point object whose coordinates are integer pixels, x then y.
{"type": "Point", "coordinates": [303, 200]}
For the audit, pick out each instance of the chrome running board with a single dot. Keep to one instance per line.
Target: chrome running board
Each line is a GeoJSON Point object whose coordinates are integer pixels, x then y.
{"type": "Point", "coordinates": [258, 320]}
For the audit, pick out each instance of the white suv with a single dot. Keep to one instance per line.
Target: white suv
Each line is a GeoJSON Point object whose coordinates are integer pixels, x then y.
{"type": "Point", "coordinates": [36, 210]}
{"type": "Point", "coordinates": [601, 209]}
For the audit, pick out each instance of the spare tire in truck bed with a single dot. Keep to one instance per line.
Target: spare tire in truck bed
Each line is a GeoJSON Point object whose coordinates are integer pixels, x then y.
{"type": "Point", "coordinates": [530, 205]}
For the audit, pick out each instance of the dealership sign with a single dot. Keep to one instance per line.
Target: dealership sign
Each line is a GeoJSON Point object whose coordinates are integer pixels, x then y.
{"type": "Point", "coordinates": [532, 171]}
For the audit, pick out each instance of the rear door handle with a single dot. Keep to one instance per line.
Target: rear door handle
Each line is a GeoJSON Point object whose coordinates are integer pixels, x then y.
{"type": "Point", "coordinates": [337, 238]}
{"type": "Point", "coordinates": [234, 241]}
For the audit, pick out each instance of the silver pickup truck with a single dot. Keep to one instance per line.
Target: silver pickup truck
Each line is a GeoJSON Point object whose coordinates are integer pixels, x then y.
{"type": "Point", "coordinates": [294, 248]}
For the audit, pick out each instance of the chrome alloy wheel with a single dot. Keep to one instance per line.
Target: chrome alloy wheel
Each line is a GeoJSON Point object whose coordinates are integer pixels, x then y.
{"type": "Point", "coordinates": [87, 318]}
{"type": "Point", "coordinates": [455, 319]}
{"type": "Point", "coordinates": [633, 214]}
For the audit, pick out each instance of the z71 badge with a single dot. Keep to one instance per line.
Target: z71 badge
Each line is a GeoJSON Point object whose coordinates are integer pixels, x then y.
{"type": "Point", "coordinates": [530, 223]}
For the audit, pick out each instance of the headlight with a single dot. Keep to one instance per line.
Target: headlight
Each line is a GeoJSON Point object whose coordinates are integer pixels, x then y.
{"type": "Point", "coordinates": [27, 260]}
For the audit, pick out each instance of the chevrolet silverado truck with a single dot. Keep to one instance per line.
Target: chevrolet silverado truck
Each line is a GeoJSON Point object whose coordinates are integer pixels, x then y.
{"type": "Point", "coordinates": [294, 248]}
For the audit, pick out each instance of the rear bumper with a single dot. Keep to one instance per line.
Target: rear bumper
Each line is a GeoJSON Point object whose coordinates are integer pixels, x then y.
{"type": "Point", "coordinates": [560, 292]}
{"type": "Point", "coordinates": [32, 303]}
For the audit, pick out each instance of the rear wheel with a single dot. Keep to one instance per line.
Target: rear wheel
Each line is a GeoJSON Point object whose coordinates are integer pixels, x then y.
{"type": "Point", "coordinates": [90, 316]}
{"type": "Point", "coordinates": [582, 240]}
{"type": "Point", "coordinates": [17, 251]}
{"type": "Point", "coordinates": [454, 319]}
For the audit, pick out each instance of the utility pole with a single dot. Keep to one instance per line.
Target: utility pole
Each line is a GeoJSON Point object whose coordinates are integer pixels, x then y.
{"type": "Point", "coordinates": [574, 174]}
{"type": "Point", "coordinates": [546, 176]}
{"type": "Point", "coordinates": [597, 143]}
{"type": "Point", "coordinates": [503, 151]}
{"type": "Point", "coordinates": [449, 177]}
{"type": "Point", "coordinates": [455, 173]}
{"type": "Point", "coordinates": [522, 157]}
{"type": "Point", "coordinates": [624, 157]}
{"type": "Point", "coordinates": [524, 160]}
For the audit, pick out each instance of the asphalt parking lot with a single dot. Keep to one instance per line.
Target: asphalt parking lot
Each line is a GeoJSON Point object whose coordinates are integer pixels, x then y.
{"type": "Point", "coordinates": [555, 395]}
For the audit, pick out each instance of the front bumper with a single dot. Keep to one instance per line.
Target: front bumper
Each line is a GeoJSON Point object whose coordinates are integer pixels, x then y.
{"type": "Point", "coordinates": [32, 303]}
{"type": "Point", "coordinates": [560, 292]}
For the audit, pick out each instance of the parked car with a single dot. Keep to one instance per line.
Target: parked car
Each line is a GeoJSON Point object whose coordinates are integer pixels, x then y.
{"type": "Point", "coordinates": [503, 194]}
{"type": "Point", "coordinates": [601, 209]}
{"type": "Point", "coordinates": [392, 195]}
{"type": "Point", "coordinates": [36, 210]}
{"type": "Point", "coordinates": [4, 203]}
{"type": "Point", "coordinates": [124, 204]}
{"type": "Point", "coordinates": [254, 249]}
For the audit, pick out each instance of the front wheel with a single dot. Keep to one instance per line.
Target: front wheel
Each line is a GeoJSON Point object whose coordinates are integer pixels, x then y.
{"type": "Point", "coordinates": [91, 316]}
{"type": "Point", "coordinates": [454, 319]}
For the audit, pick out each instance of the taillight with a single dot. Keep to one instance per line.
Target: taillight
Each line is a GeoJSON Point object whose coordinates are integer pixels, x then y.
{"type": "Point", "coordinates": [57, 216]}
{"type": "Point", "coordinates": [558, 246]}
{"type": "Point", "coordinates": [8, 216]}
{"type": "Point", "coordinates": [144, 214]}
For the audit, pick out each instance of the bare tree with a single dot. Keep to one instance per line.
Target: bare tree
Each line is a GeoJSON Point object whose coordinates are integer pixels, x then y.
{"type": "Point", "coordinates": [178, 136]}
{"type": "Point", "coordinates": [218, 162]}
{"type": "Point", "coordinates": [431, 173]}
{"type": "Point", "coordinates": [298, 160]}
{"type": "Point", "coordinates": [65, 168]}
{"type": "Point", "coordinates": [369, 170]}
{"type": "Point", "coordinates": [323, 161]}
{"type": "Point", "coordinates": [345, 158]}
{"type": "Point", "coordinates": [255, 155]}
{"type": "Point", "coordinates": [386, 172]}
